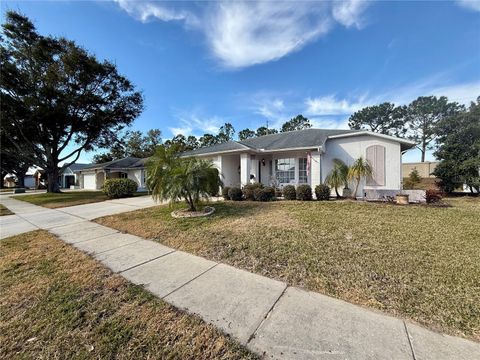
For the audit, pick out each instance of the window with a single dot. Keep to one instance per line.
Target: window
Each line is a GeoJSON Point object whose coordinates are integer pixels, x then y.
{"type": "Point", "coordinates": [123, 175]}
{"type": "Point", "coordinates": [285, 170]}
{"type": "Point", "coordinates": [376, 158]}
{"type": "Point", "coordinates": [302, 171]}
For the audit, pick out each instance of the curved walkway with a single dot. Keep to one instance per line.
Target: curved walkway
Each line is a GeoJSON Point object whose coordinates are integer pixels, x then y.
{"type": "Point", "coordinates": [269, 317]}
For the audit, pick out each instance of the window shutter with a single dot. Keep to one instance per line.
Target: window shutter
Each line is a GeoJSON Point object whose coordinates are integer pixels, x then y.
{"type": "Point", "coordinates": [376, 157]}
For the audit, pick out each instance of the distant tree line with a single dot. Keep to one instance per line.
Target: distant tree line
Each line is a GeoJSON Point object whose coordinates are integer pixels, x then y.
{"type": "Point", "coordinates": [136, 144]}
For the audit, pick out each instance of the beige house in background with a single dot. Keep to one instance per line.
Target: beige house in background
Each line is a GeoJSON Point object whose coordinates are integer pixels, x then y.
{"type": "Point", "coordinates": [424, 169]}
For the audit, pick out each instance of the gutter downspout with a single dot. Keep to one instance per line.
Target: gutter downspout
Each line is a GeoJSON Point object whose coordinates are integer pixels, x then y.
{"type": "Point", "coordinates": [320, 163]}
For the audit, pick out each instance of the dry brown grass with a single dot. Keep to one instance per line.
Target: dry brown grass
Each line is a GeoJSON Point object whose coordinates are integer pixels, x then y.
{"type": "Point", "coordinates": [417, 262]}
{"type": "Point", "coordinates": [56, 302]}
{"type": "Point", "coordinates": [5, 211]}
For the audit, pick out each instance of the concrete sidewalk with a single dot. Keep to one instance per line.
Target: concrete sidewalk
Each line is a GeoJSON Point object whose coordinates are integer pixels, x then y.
{"type": "Point", "coordinates": [265, 315]}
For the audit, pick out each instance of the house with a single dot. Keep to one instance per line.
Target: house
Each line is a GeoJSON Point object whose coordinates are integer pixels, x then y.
{"type": "Point", "coordinates": [93, 176]}
{"type": "Point", "coordinates": [69, 177]}
{"type": "Point", "coordinates": [306, 157]}
{"type": "Point", "coordinates": [295, 157]}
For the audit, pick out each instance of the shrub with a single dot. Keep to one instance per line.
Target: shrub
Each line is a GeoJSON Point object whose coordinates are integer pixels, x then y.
{"type": "Point", "coordinates": [117, 188]}
{"type": "Point", "coordinates": [235, 194]}
{"type": "Point", "coordinates": [264, 193]}
{"type": "Point", "coordinates": [225, 191]}
{"type": "Point", "coordinates": [249, 190]}
{"type": "Point", "coordinates": [322, 192]}
{"type": "Point", "coordinates": [304, 192]}
{"type": "Point", "coordinates": [289, 192]}
{"type": "Point", "coordinates": [433, 196]}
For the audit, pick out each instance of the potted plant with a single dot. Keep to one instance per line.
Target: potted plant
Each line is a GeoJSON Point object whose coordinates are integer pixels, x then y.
{"type": "Point", "coordinates": [402, 199]}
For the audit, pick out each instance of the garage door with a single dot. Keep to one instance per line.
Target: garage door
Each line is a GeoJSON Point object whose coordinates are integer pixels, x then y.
{"type": "Point", "coordinates": [89, 181]}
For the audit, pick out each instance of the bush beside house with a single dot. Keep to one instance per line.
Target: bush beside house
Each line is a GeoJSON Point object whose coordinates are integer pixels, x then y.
{"type": "Point", "coordinates": [322, 192]}
{"type": "Point", "coordinates": [235, 194]}
{"type": "Point", "coordinates": [304, 192]}
{"type": "Point", "coordinates": [225, 191]}
{"type": "Point", "coordinates": [264, 193]}
{"type": "Point", "coordinates": [118, 188]}
{"type": "Point", "coordinates": [289, 192]}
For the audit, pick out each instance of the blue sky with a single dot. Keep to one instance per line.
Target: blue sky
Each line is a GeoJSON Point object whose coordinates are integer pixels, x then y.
{"type": "Point", "coordinates": [200, 64]}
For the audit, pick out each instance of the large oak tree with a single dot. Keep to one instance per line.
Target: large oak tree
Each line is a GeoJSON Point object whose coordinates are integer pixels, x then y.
{"type": "Point", "coordinates": [55, 89]}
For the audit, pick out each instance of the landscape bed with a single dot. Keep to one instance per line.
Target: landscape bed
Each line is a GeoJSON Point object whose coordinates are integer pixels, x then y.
{"type": "Point", "coordinates": [59, 303]}
{"type": "Point", "coordinates": [417, 262]}
{"type": "Point", "coordinates": [5, 211]}
{"type": "Point", "coordinates": [68, 198]}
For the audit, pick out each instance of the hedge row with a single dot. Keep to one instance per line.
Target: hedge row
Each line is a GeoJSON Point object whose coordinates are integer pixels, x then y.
{"type": "Point", "coordinates": [258, 192]}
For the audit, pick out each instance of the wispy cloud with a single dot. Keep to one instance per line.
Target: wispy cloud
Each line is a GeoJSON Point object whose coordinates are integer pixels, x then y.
{"type": "Point", "coordinates": [193, 122]}
{"type": "Point", "coordinates": [469, 4]}
{"type": "Point", "coordinates": [349, 13]}
{"type": "Point", "coordinates": [330, 105]}
{"type": "Point", "coordinates": [146, 10]}
{"type": "Point", "coordinates": [245, 33]}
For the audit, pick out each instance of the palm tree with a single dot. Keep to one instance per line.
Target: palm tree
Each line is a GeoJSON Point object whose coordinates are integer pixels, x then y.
{"type": "Point", "coordinates": [173, 178]}
{"type": "Point", "coordinates": [338, 176]}
{"type": "Point", "coordinates": [360, 169]}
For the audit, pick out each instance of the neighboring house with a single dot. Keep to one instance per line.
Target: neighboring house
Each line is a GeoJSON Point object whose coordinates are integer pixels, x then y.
{"type": "Point", "coordinates": [306, 157]}
{"type": "Point", "coordinates": [32, 179]}
{"type": "Point", "coordinates": [93, 176]}
{"type": "Point", "coordinates": [69, 177]}
{"type": "Point", "coordinates": [425, 169]}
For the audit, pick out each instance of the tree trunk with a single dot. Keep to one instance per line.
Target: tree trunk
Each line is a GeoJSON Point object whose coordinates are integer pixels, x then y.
{"type": "Point", "coordinates": [336, 192]}
{"type": "Point", "coordinates": [424, 150]}
{"type": "Point", "coordinates": [354, 195]}
{"type": "Point", "coordinates": [52, 179]}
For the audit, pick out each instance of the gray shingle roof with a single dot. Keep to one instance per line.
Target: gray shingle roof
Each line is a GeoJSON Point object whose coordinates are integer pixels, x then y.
{"type": "Point", "coordinates": [293, 139]}
{"type": "Point", "coordinates": [115, 164]}
{"type": "Point", "coordinates": [77, 167]}
{"type": "Point", "coordinates": [288, 140]}
{"type": "Point", "coordinates": [228, 146]}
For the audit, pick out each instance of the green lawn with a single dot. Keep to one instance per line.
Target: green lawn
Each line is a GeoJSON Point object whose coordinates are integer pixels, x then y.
{"type": "Point", "coordinates": [58, 303]}
{"type": "Point", "coordinates": [417, 262]}
{"type": "Point", "coordinates": [70, 198]}
{"type": "Point", "coordinates": [5, 211]}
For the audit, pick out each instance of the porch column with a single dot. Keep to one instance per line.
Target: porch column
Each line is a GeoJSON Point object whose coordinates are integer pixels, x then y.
{"type": "Point", "coordinates": [245, 164]}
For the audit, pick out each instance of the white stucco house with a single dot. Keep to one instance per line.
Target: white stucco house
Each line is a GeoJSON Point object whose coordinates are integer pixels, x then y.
{"type": "Point", "coordinates": [93, 176]}
{"type": "Point", "coordinates": [70, 176]}
{"type": "Point", "coordinates": [306, 157]}
{"type": "Point", "coordinates": [295, 157]}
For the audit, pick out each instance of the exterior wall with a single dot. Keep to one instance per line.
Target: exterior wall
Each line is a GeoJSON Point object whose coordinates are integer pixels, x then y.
{"type": "Point", "coordinates": [424, 169]}
{"type": "Point", "coordinates": [350, 148]}
{"type": "Point", "coordinates": [229, 170]}
{"type": "Point", "coordinates": [136, 175]}
{"type": "Point", "coordinates": [29, 181]}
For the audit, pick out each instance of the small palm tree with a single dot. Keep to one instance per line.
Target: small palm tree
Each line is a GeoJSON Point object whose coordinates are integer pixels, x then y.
{"type": "Point", "coordinates": [338, 176]}
{"type": "Point", "coordinates": [360, 169]}
{"type": "Point", "coordinates": [173, 178]}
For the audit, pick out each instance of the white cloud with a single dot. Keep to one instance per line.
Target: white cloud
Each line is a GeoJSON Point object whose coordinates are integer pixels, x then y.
{"type": "Point", "coordinates": [330, 105]}
{"type": "Point", "coordinates": [462, 93]}
{"type": "Point", "coordinates": [245, 33]}
{"type": "Point", "coordinates": [192, 123]}
{"type": "Point", "coordinates": [349, 13]}
{"type": "Point", "coordinates": [145, 11]}
{"type": "Point", "coordinates": [329, 123]}
{"type": "Point", "coordinates": [469, 4]}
